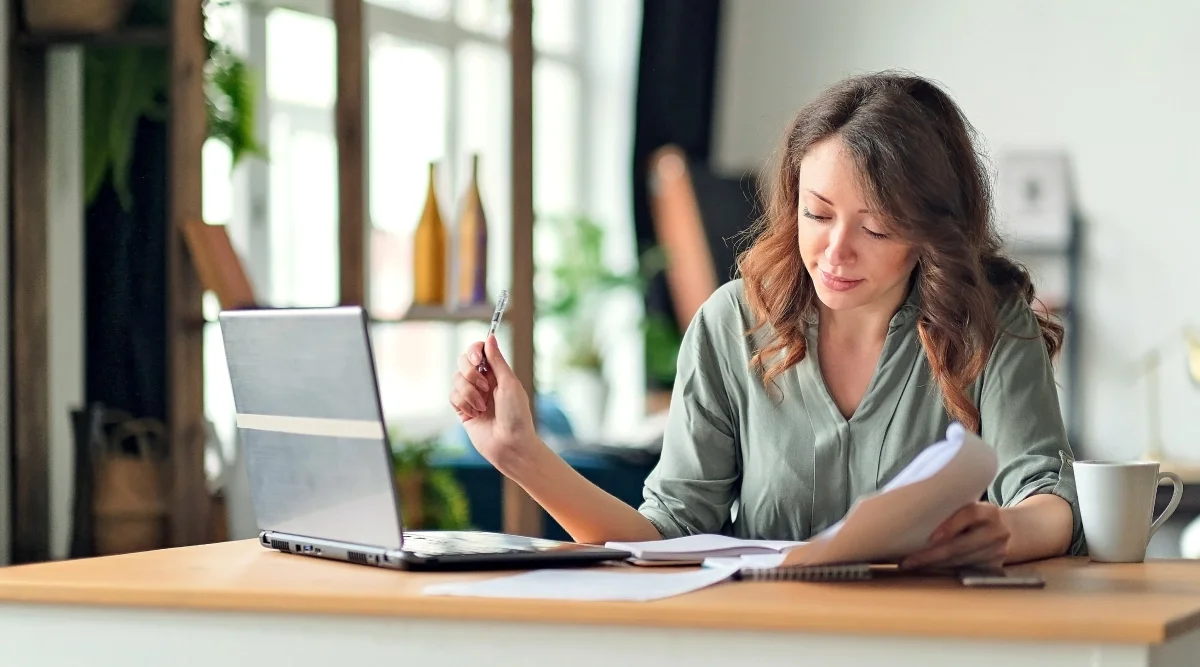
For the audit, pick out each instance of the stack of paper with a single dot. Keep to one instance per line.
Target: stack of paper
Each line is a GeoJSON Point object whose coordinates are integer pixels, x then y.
{"type": "Point", "coordinates": [899, 520]}
{"type": "Point", "coordinates": [696, 548]}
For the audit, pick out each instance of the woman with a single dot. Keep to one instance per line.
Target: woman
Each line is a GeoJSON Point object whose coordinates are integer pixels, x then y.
{"type": "Point", "coordinates": [873, 309]}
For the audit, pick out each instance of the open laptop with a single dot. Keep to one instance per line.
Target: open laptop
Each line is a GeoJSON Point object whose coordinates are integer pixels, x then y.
{"type": "Point", "coordinates": [318, 457]}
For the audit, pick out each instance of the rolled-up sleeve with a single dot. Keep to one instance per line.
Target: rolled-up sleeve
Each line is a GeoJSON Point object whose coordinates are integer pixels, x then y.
{"type": "Point", "coordinates": [691, 490]}
{"type": "Point", "coordinates": [1021, 418]}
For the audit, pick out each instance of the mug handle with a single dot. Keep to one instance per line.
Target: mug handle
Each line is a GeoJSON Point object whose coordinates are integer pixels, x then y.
{"type": "Point", "coordinates": [1176, 495]}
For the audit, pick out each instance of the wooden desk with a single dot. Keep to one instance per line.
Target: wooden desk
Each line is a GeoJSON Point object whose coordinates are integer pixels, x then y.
{"type": "Point", "coordinates": [237, 603]}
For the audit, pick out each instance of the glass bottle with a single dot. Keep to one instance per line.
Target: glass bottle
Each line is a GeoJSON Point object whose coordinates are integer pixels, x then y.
{"type": "Point", "coordinates": [472, 244]}
{"type": "Point", "coordinates": [429, 251]}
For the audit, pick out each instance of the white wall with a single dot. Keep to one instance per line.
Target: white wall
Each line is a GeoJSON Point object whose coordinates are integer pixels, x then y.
{"type": "Point", "coordinates": [64, 207]}
{"type": "Point", "coordinates": [64, 195]}
{"type": "Point", "coordinates": [1116, 85]}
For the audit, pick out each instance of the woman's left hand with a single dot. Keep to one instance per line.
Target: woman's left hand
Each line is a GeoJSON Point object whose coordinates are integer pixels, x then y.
{"type": "Point", "coordinates": [976, 535]}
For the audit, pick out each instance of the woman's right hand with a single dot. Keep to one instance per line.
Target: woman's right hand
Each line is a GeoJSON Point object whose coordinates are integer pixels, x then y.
{"type": "Point", "coordinates": [493, 406]}
{"type": "Point", "coordinates": [494, 410]}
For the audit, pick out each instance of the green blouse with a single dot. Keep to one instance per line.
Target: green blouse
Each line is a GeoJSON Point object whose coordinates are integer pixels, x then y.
{"type": "Point", "coordinates": [739, 461]}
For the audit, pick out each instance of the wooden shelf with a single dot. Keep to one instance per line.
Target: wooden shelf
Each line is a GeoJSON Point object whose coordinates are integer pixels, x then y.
{"type": "Point", "coordinates": [449, 314]}
{"type": "Point", "coordinates": [183, 45]}
{"type": "Point", "coordinates": [182, 38]}
{"type": "Point", "coordinates": [189, 501]}
{"type": "Point", "coordinates": [482, 313]}
{"type": "Point", "coordinates": [131, 36]}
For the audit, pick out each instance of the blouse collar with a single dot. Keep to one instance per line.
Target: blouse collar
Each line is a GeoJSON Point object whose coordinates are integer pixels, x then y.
{"type": "Point", "coordinates": [907, 314]}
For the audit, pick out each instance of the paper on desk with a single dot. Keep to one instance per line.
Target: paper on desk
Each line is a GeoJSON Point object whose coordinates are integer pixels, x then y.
{"type": "Point", "coordinates": [699, 547]}
{"type": "Point", "coordinates": [624, 584]}
{"type": "Point", "coordinates": [898, 520]}
{"type": "Point", "coordinates": [754, 561]}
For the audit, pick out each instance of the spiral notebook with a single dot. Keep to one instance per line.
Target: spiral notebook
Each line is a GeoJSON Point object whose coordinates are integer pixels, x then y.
{"type": "Point", "coordinates": [848, 572]}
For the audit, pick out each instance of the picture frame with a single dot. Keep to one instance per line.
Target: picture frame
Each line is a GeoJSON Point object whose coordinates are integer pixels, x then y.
{"type": "Point", "coordinates": [1034, 199]}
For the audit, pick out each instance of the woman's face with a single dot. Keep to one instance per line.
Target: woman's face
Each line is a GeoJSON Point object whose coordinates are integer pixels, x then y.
{"type": "Point", "coordinates": [853, 258]}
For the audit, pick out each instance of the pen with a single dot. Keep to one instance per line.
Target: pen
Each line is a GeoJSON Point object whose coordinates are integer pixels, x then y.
{"type": "Point", "coordinates": [501, 304]}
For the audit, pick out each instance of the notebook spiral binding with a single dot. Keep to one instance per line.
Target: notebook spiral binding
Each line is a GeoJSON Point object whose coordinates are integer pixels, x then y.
{"type": "Point", "coordinates": [806, 573]}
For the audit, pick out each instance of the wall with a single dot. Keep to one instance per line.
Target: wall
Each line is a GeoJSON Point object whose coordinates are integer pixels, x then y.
{"type": "Point", "coordinates": [64, 207]}
{"type": "Point", "coordinates": [1113, 84]}
{"type": "Point", "coordinates": [64, 195]}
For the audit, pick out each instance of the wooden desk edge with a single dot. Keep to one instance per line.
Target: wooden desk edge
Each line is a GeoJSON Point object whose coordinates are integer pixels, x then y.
{"type": "Point", "coordinates": [230, 577]}
{"type": "Point", "coordinates": [552, 612]}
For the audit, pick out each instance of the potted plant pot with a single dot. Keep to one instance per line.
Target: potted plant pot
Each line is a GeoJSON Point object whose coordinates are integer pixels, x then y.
{"type": "Point", "coordinates": [74, 16]}
{"type": "Point", "coordinates": [412, 499]}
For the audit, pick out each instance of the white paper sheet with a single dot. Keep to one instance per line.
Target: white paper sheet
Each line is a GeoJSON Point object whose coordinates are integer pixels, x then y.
{"type": "Point", "coordinates": [899, 519]}
{"type": "Point", "coordinates": [756, 561]}
{"type": "Point", "coordinates": [699, 547]}
{"type": "Point", "coordinates": [627, 584]}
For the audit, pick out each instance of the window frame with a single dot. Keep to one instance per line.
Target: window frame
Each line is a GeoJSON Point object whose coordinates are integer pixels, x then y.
{"type": "Point", "coordinates": [250, 224]}
{"type": "Point", "coordinates": [251, 204]}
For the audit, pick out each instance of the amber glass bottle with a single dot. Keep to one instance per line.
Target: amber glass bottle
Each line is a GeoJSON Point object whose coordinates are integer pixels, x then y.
{"type": "Point", "coordinates": [429, 251]}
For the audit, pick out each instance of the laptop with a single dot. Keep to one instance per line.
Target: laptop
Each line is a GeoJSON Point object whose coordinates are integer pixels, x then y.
{"type": "Point", "coordinates": [318, 456]}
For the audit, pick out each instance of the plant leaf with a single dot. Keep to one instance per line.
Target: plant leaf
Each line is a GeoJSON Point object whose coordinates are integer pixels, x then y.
{"type": "Point", "coordinates": [230, 104]}
{"type": "Point", "coordinates": [123, 85]}
{"type": "Point", "coordinates": [97, 74]}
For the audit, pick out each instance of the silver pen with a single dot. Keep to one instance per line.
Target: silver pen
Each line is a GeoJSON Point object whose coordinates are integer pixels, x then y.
{"type": "Point", "coordinates": [501, 304]}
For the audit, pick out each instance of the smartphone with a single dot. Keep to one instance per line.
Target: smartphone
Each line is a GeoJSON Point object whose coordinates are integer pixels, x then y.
{"type": "Point", "coordinates": [1001, 579]}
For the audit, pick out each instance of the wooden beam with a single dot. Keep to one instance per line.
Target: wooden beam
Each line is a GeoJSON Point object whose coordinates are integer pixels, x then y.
{"type": "Point", "coordinates": [8, 16]}
{"type": "Point", "coordinates": [352, 177]}
{"type": "Point", "coordinates": [30, 308]}
{"type": "Point", "coordinates": [190, 502]}
{"type": "Point", "coordinates": [522, 516]}
{"type": "Point", "coordinates": [134, 36]}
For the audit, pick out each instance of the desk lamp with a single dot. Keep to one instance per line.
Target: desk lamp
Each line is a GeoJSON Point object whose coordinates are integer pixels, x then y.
{"type": "Point", "coordinates": [1150, 364]}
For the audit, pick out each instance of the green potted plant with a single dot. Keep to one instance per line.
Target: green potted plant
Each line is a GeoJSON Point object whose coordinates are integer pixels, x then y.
{"type": "Point", "coordinates": [431, 498]}
{"type": "Point", "coordinates": [127, 83]}
{"type": "Point", "coordinates": [572, 290]}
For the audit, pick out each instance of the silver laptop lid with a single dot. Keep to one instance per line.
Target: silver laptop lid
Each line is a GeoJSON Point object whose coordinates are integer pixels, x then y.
{"type": "Point", "coordinates": [309, 416]}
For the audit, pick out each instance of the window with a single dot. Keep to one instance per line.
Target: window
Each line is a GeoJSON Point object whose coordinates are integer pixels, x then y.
{"type": "Point", "coordinates": [303, 229]}
{"type": "Point", "coordinates": [218, 206]}
{"type": "Point", "coordinates": [438, 76]}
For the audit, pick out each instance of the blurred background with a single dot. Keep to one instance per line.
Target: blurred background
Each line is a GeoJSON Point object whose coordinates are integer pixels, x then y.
{"type": "Point", "coordinates": [651, 122]}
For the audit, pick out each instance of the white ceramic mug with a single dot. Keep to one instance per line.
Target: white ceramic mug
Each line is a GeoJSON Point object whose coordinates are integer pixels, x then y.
{"type": "Point", "coordinates": [1116, 503]}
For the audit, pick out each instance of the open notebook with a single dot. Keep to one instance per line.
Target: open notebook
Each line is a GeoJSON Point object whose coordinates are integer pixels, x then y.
{"type": "Point", "coordinates": [882, 527]}
{"type": "Point", "coordinates": [845, 572]}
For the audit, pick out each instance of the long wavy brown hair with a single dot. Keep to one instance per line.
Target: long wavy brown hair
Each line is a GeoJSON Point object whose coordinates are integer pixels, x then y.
{"type": "Point", "coordinates": [918, 164]}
